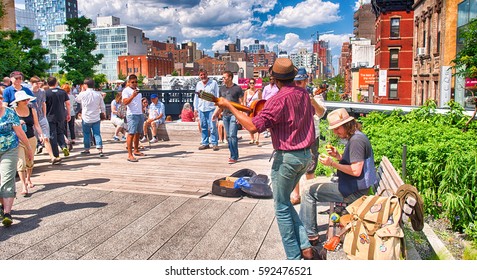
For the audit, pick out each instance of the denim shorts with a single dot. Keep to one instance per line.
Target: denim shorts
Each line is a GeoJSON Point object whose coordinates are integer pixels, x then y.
{"type": "Point", "coordinates": [135, 124]}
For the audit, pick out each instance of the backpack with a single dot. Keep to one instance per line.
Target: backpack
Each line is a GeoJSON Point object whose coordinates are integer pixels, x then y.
{"type": "Point", "coordinates": [375, 232]}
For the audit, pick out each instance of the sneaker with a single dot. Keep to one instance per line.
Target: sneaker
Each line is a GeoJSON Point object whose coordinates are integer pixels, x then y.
{"type": "Point", "coordinates": [85, 152]}
{"type": "Point", "coordinates": [101, 154]}
{"type": "Point", "coordinates": [232, 161]}
{"type": "Point", "coordinates": [154, 140]}
{"type": "Point", "coordinates": [123, 138]}
{"type": "Point", "coordinates": [203, 147]}
{"type": "Point", "coordinates": [215, 148]}
{"type": "Point", "coordinates": [39, 149]}
{"type": "Point", "coordinates": [7, 220]}
{"type": "Point", "coordinates": [115, 138]}
{"type": "Point", "coordinates": [66, 152]}
{"type": "Point", "coordinates": [143, 139]}
{"type": "Point", "coordinates": [70, 146]}
{"type": "Point", "coordinates": [1, 212]}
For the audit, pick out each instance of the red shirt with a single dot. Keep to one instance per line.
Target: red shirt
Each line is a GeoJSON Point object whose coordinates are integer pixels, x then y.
{"type": "Point", "coordinates": [187, 116]}
{"type": "Point", "coordinates": [289, 116]}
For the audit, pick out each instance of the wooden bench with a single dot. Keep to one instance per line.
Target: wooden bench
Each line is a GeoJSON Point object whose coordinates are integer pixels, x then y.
{"type": "Point", "coordinates": [388, 183]}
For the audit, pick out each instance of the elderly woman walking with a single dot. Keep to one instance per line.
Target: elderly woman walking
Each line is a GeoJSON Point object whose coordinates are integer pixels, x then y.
{"type": "Point", "coordinates": [29, 120]}
{"type": "Point", "coordinates": [10, 132]}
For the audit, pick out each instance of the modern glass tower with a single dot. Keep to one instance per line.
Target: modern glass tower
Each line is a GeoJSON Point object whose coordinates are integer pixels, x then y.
{"type": "Point", "coordinates": [50, 13]}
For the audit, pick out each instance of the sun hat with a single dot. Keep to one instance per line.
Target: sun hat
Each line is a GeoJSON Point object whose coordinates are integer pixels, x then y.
{"type": "Point", "coordinates": [338, 117]}
{"type": "Point", "coordinates": [301, 75]}
{"type": "Point", "coordinates": [20, 96]}
{"type": "Point", "coordinates": [283, 69]}
{"type": "Point", "coordinates": [154, 96]}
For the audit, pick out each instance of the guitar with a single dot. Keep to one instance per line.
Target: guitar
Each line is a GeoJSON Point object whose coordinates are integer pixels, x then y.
{"type": "Point", "coordinates": [334, 242]}
{"type": "Point", "coordinates": [252, 111]}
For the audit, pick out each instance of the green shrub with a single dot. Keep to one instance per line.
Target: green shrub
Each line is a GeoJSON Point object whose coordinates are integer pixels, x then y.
{"type": "Point", "coordinates": [441, 157]}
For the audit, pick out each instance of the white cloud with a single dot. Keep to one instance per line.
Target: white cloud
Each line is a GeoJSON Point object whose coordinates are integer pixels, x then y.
{"type": "Point", "coordinates": [358, 3]}
{"type": "Point", "coordinates": [336, 40]}
{"type": "Point", "coordinates": [292, 43]}
{"type": "Point", "coordinates": [305, 14]}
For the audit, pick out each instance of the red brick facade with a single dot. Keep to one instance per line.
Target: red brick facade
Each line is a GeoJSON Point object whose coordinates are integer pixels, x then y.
{"type": "Point", "coordinates": [394, 53]}
{"type": "Point", "coordinates": [145, 65]}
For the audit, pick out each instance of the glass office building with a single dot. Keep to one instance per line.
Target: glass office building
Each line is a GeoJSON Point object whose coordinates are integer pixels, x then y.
{"type": "Point", "coordinates": [50, 13]}
{"type": "Point", "coordinates": [113, 40]}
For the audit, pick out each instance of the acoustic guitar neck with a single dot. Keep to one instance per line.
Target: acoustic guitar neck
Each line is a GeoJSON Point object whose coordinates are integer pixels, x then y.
{"type": "Point", "coordinates": [212, 98]}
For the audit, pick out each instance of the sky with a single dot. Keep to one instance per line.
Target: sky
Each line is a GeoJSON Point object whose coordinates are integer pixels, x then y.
{"type": "Point", "coordinates": [212, 24]}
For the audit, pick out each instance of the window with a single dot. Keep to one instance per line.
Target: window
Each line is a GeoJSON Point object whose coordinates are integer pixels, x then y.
{"type": "Point", "coordinates": [395, 27]}
{"type": "Point", "coordinates": [394, 58]}
{"type": "Point", "coordinates": [393, 89]}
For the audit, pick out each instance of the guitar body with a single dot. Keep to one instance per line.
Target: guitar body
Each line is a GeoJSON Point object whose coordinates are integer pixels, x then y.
{"type": "Point", "coordinates": [256, 106]}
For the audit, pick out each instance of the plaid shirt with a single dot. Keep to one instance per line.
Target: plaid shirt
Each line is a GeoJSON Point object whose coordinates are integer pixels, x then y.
{"type": "Point", "coordinates": [289, 115]}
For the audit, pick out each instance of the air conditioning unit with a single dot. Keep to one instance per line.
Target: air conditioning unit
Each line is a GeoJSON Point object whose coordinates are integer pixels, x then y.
{"type": "Point", "coordinates": [421, 51]}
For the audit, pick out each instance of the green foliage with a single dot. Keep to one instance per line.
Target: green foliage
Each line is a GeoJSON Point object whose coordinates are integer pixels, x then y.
{"type": "Point", "coordinates": [441, 159]}
{"type": "Point", "coordinates": [19, 51]}
{"type": "Point", "coordinates": [79, 60]}
{"type": "Point", "coordinates": [174, 73]}
{"type": "Point", "coordinates": [99, 80]}
{"type": "Point", "coordinates": [121, 76]}
{"type": "Point", "coordinates": [466, 59]}
{"type": "Point", "coordinates": [2, 9]}
{"type": "Point", "coordinates": [329, 138]}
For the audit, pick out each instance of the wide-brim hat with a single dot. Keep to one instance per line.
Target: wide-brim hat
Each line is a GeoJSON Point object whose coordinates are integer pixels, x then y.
{"type": "Point", "coordinates": [301, 75]}
{"type": "Point", "coordinates": [20, 96]}
{"type": "Point", "coordinates": [338, 117]}
{"type": "Point", "coordinates": [283, 69]}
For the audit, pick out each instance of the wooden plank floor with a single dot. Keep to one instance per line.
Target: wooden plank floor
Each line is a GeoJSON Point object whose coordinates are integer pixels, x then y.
{"type": "Point", "coordinates": [108, 208]}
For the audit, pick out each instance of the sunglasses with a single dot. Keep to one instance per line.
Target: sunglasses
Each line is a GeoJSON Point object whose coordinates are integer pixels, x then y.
{"type": "Point", "coordinates": [133, 82]}
{"type": "Point", "coordinates": [252, 83]}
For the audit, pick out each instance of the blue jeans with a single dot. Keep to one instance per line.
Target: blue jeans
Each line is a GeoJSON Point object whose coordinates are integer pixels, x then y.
{"type": "Point", "coordinates": [231, 128]}
{"type": "Point", "coordinates": [207, 124]}
{"type": "Point", "coordinates": [287, 169]}
{"type": "Point", "coordinates": [87, 127]}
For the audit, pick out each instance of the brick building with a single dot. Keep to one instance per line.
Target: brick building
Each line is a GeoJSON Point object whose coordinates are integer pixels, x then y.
{"type": "Point", "coordinates": [212, 65]}
{"type": "Point", "coordinates": [364, 23]}
{"type": "Point", "coordinates": [394, 51]}
{"type": "Point", "coordinates": [145, 65]}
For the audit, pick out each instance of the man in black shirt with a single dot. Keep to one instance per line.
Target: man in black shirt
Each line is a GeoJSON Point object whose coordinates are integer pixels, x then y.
{"type": "Point", "coordinates": [231, 92]}
{"type": "Point", "coordinates": [56, 101]}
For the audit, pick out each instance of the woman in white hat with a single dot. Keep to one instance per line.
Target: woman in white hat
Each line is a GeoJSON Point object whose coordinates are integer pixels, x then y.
{"type": "Point", "coordinates": [10, 134]}
{"type": "Point", "coordinates": [29, 120]}
{"type": "Point", "coordinates": [355, 169]}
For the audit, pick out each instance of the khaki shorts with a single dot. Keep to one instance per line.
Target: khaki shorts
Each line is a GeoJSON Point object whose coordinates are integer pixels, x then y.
{"type": "Point", "coordinates": [23, 162]}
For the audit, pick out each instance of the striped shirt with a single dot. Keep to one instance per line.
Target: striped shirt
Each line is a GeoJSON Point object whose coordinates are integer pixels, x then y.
{"type": "Point", "coordinates": [289, 116]}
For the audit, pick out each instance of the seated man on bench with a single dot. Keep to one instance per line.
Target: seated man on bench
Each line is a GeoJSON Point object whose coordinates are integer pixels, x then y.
{"type": "Point", "coordinates": [156, 117]}
{"type": "Point", "coordinates": [355, 169]}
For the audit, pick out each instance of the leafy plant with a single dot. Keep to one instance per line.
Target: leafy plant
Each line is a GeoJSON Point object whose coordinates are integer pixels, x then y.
{"type": "Point", "coordinates": [441, 159]}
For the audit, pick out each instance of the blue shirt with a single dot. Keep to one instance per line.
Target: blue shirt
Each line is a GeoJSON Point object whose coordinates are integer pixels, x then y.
{"type": "Point", "coordinates": [158, 109]}
{"type": "Point", "coordinates": [201, 104]}
{"type": "Point", "coordinates": [9, 94]}
{"type": "Point", "coordinates": [8, 137]}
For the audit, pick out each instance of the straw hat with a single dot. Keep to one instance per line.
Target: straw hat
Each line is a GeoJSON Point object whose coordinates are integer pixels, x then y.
{"type": "Point", "coordinates": [283, 69]}
{"type": "Point", "coordinates": [20, 96]}
{"type": "Point", "coordinates": [338, 117]}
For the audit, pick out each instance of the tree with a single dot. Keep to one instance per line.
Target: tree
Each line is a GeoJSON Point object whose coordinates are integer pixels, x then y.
{"type": "Point", "coordinates": [466, 59]}
{"type": "Point", "coordinates": [21, 52]}
{"type": "Point", "coordinates": [79, 60]}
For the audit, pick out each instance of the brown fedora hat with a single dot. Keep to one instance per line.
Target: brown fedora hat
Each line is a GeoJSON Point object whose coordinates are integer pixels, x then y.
{"type": "Point", "coordinates": [283, 69]}
{"type": "Point", "coordinates": [338, 117]}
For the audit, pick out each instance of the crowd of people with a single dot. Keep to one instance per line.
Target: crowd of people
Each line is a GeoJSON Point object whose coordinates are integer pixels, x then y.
{"type": "Point", "coordinates": [291, 114]}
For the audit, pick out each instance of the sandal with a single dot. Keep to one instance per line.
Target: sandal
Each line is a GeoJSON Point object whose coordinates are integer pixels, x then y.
{"type": "Point", "coordinates": [251, 142]}
{"type": "Point", "coordinates": [139, 154]}
{"type": "Point", "coordinates": [24, 193]}
{"type": "Point", "coordinates": [132, 160]}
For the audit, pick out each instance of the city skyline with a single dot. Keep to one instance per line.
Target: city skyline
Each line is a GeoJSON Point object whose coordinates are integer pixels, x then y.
{"type": "Point", "coordinates": [212, 24]}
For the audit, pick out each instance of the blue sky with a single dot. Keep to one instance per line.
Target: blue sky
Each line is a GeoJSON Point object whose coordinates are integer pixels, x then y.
{"type": "Point", "coordinates": [291, 24]}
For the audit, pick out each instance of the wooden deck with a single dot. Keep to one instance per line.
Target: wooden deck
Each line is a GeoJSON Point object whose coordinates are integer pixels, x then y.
{"type": "Point", "coordinates": [107, 208]}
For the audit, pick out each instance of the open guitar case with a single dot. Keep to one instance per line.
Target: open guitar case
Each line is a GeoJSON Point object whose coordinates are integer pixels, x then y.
{"type": "Point", "coordinates": [227, 191]}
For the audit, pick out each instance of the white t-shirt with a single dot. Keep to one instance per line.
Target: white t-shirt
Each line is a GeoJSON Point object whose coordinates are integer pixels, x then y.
{"type": "Point", "coordinates": [135, 107]}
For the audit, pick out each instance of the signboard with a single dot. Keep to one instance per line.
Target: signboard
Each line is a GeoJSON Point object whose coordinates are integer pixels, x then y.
{"type": "Point", "coordinates": [470, 83]}
{"type": "Point", "coordinates": [446, 80]}
{"type": "Point", "coordinates": [366, 77]}
{"type": "Point", "coordinates": [185, 82]}
{"type": "Point", "coordinates": [383, 78]}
